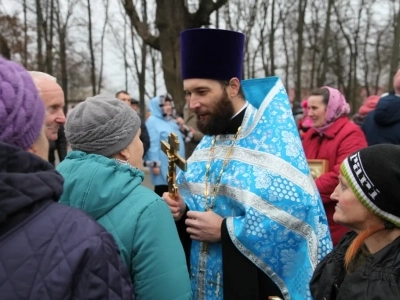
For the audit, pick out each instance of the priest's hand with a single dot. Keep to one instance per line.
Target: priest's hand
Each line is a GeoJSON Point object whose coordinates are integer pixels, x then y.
{"type": "Point", "coordinates": [177, 205]}
{"type": "Point", "coordinates": [204, 226]}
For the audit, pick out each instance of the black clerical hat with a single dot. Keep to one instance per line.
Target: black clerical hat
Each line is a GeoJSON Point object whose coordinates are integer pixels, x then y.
{"type": "Point", "coordinates": [212, 54]}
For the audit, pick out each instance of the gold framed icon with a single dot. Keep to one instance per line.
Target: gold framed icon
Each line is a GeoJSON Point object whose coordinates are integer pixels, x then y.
{"type": "Point", "coordinates": [318, 167]}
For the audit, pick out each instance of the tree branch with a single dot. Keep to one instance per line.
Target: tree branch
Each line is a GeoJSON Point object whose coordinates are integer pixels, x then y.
{"type": "Point", "coordinates": [141, 27]}
{"type": "Point", "coordinates": [206, 8]}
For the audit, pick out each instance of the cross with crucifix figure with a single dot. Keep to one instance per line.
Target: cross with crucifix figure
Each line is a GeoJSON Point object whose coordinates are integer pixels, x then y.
{"type": "Point", "coordinates": [174, 159]}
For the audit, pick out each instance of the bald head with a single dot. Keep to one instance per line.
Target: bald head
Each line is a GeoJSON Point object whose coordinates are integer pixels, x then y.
{"type": "Point", "coordinates": [53, 98]}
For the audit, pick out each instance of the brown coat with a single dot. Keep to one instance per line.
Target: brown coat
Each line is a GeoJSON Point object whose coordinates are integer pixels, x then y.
{"type": "Point", "coordinates": [190, 120]}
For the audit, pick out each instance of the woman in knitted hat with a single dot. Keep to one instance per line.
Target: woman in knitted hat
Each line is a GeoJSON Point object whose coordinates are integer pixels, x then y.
{"type": "Point", "coordinates": [42, 254]}
{"type": "Point", "coordinates": [332, 137]}
{"type": "Point", "coordinates": [366, 262]}
{"type": "Point", "coordinates": [102, 177]}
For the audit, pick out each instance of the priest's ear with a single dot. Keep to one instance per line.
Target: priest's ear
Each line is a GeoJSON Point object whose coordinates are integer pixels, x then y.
{"type": "Point", "coordinates": [234, 88]}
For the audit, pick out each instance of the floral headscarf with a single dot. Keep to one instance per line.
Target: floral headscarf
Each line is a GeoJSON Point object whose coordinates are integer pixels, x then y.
{"type": "Point", "coordinates": [337, 107]}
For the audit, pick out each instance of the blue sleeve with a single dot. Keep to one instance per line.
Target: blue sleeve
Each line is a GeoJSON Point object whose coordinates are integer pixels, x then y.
{"type": "Point", "coordinates": [154, 149]}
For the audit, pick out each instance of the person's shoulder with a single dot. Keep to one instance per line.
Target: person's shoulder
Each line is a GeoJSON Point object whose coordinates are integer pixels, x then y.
{"type": "Point", "coordinates": [69, 217]}
{"type": "Point", "coordinates": [72, 230]}
{"type": "Point", "coordinates": [309, 135]}
{"type": "Point", "coordinates": [351, 130]}
{"type": "Point", "coordinates": [139, 199]}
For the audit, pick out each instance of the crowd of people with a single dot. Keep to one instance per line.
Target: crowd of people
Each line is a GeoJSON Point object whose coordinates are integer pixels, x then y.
{"type": "Point", "coordinates": [249, 221]}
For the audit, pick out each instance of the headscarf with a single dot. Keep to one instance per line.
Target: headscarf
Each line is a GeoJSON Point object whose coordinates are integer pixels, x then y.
{"type": "Point", "coordinates": [337, 107]}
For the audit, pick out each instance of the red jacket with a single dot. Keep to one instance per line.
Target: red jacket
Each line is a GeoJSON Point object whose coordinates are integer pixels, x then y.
{"type": "Point", "coordinates": [340, 140]}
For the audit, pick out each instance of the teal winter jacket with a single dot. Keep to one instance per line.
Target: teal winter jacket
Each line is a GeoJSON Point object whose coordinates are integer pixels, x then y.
{"type": "Point", "coordinates": [139, 220]}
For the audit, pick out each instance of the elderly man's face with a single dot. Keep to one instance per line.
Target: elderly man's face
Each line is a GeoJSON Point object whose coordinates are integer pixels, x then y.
{"type": "Point", "coordinates": [53, 99]}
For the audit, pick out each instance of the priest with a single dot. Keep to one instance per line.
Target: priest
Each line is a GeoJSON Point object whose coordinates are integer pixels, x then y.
{"type": "Point", "coordinates": [248, 213]}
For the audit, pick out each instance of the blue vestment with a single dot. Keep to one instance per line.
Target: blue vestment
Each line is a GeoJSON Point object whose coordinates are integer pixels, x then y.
{"type": "Point", "coordinates": [274, 213]}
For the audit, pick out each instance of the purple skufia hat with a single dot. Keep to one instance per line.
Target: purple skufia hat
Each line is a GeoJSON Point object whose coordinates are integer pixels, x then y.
{"type": "Point", "coordinates": [21, 109]}
{"type": "Point", "coordinates": [212, 54]}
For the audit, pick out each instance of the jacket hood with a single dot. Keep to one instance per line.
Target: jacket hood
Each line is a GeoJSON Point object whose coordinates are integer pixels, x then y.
{"type": "Point", "coordinates": [387, 111]}
{"type": "Point", "coordinates": [24, 180]}
{"type": "Point", "coordinates": [156, 107]}
{"type": "Point", "coordinates": [95, 183]}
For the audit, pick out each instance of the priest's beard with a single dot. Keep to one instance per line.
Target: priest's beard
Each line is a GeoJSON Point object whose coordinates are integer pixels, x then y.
{"type": "Point", "coordinates": [215, 122]}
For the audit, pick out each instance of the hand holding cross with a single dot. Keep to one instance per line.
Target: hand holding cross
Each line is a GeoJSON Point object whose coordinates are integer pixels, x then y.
{"type": "Point", "coordinates": [174, 159]}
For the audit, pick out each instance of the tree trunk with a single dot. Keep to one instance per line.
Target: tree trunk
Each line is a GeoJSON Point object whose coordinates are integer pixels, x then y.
{"type": "Point", "coordinates": [63, 64]}
{"type": "Point", "coordinates": [92, 58]}
{"type": "Point", "coordinates": [39, 21]}
{"type": "Point", "coordinates": [394, 63]}
{"type": "Point", "coordinates": [286, 50]}
{"type": "Point", "coordinates": [272, 40]}
{"type": "Point", "coordinates": [153, 55]}
{"type": "Point", "coordinates": [169, 45]}
{"type": "Point", "coordinates": [103, 33]}
{"type": "Point", "coordinates": [325, 46]}
{"type": "Point", "coordinates": [49, 40]}
{"type": "Point", "coordinates": [142, 73]}
{"type": "Point", "coordinates": [125, 55]}
{"type": "Point", "coordinates": [300, 48]}
{"type": "Point", "coordinates": [25, 55]}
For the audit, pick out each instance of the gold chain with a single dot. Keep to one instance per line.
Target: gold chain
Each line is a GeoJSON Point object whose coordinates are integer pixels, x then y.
{"type": "Point", "coordinates": [210, 206]}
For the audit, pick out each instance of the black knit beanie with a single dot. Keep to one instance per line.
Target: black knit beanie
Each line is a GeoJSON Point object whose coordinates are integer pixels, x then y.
{"type": "Point", "coordinates": [373, 174]}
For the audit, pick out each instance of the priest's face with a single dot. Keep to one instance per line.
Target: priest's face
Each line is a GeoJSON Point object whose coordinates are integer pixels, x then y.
{"type": "Point", "coordinates": [210, 102]}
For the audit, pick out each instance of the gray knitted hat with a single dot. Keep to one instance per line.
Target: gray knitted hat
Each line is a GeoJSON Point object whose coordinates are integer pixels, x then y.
{"type": "Point", "coordinates": [101, 125]}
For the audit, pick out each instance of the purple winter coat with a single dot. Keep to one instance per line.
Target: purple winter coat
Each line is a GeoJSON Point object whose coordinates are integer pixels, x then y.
{"type": "Point", "coordinates": [49, 251]}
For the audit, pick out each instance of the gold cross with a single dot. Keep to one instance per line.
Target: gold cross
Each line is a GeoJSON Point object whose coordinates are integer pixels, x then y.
{"type": "Point", "coordinates": [174, 159]}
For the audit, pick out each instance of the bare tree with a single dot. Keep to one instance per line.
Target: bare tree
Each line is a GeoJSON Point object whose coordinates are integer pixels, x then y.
{"type": "Point", "coordinates": [103, 33]}
{"type": "Point", "coordinates": [284, 13]}
{"type": "Point", "coordinates": [62, 25]}
{"type": "Point", "coordinates": [273, 28]}
{"type": "Point", "coordinates": [25, 56]}
{"type": "Point", "coordinates": [167, 39]}
{"type": "Point", "coordinates": [39, 23]}
{"type": "Point", "coordinates": [350, 29]}
{"type": "Point", "coordinates": [91, 49]}
{"type": "Point", "coordinates": [302, 5]}
{"type": "Point", "coordinates": [394, 63]}
{"type": "Point", "coordinates": [48, 29]}
{"type": "Point", "coordinates": [325, 46]}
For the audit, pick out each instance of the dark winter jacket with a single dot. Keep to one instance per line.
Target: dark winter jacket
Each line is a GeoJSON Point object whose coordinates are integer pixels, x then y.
{"type": "Point", "coordinates": [49, 251]}
{"type": "Point", "coordinates": [382, 126]}
{"type": "Point", "coordinates": [378, 277]}
{"type": "Point", "coordinates": [144, 136]}
{"type": "Point", "coordinates": [340, 140]}
{"type": "Point", "coordinates": [60, 145]}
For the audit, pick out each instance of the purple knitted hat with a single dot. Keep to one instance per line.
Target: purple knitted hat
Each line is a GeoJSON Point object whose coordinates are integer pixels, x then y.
{"type": "Point", "coordinates": [21, 109]}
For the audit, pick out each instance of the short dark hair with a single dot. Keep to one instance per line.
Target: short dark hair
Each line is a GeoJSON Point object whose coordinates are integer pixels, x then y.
{"type": "Point", "coordinates": [121, 92]}
{"type": "Point", "coordinates": [225, 83]}
{"type": "Point", "coordinates": [321, 92]}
